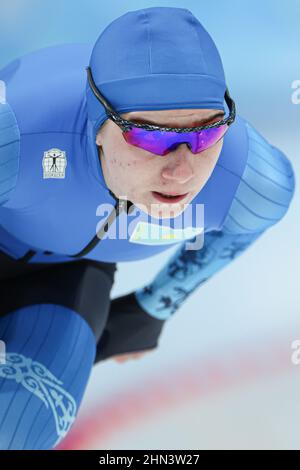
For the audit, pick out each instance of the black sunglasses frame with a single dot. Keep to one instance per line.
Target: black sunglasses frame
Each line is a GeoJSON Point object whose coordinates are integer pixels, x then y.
{"type": "Point", "coordinates": [126, 125]}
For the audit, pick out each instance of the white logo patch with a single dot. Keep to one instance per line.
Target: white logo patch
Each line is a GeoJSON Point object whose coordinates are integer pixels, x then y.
{"type": "Point", "coordinates": [153, 234]}
{"type": "Point", "coordinates": [54, 163]}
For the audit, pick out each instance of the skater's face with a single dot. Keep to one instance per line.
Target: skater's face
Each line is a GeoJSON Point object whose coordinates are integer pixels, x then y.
{"type": "Point", "coordinates": [133, 173]}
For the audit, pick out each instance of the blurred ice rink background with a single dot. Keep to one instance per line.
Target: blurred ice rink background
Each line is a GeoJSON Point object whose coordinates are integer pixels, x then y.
{"type": "Point", "coordinates": [222, 376]}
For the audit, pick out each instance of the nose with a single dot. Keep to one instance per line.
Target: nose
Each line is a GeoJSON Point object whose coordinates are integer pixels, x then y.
{"type": "Point", "coordinates": [179, 167]}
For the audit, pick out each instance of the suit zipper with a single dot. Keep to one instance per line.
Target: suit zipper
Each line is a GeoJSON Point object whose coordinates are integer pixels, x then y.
{"type": "Point", "coordinates": [119, 207]}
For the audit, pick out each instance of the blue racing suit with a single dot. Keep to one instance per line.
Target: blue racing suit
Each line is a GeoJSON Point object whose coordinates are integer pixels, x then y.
{"type": "Point", "coordinates": [56, 209]}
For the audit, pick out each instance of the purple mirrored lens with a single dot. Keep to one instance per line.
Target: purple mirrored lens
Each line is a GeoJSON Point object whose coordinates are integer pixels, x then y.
{"type": "Point", "coordinates": [162, 142]}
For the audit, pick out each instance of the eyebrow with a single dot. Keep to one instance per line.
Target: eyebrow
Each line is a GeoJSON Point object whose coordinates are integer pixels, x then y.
{"type": "Point", "coordinates": [199, 121]}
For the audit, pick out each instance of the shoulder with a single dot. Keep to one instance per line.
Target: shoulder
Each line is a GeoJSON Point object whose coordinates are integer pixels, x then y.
{"type": "Point", "coordinates": [50, 83]}
{"type": "Point", "coordinates": [265, 190]}
{"type": "Point", "coordinates": [45, 110]}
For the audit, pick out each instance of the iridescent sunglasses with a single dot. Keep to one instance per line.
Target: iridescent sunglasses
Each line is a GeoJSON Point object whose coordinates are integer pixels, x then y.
{"type": "Point", "coordinates": [162, 140]}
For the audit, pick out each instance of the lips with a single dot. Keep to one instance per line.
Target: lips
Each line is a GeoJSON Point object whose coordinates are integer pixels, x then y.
{"type": "Point", "coordinates": [171, 194]}
{"type": "Point", "coordinates": [169, 200]}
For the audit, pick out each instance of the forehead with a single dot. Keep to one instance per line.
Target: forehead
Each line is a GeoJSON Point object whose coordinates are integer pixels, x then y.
{"type": "Point", "coordinates": [170, 113]}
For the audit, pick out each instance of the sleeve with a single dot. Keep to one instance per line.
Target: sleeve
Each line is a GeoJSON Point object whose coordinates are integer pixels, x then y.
{"type": "Point", "coordinates": [9, 148]}
{"type": "Point", "coordinates": [263, 197]}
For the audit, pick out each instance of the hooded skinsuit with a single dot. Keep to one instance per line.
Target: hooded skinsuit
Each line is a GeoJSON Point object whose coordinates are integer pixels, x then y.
{"type": "Point", "coordinates": [54, 200]}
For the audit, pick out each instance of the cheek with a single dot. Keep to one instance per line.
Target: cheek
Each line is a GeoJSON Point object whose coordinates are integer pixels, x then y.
{"type": "Point", "coordinates": [137, 162]}
{"type": "Point", "coordinates": [128, 167]}
{"type": "Point", "coordinates": [123, 157]}
{"type": "Point", "coordinates": [205, 164]}
{"type": "Point", "coordinates": [211, 155]}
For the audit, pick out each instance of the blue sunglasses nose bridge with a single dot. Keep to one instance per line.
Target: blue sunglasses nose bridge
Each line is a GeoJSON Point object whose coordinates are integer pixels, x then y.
{"type": "Point", "coordinates": [174, 147]}
{"type": "Point", "coordinates": [180, 139]}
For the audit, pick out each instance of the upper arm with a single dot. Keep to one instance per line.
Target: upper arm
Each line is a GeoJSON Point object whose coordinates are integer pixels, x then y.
{"type": "Point", "coordinates": [9, 150]}
{"type": "Point", "coordinates": [265, 191]}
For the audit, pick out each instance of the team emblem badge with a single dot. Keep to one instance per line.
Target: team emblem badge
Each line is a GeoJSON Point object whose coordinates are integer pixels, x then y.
{"type": "Point", "coordinates": [54, 164]}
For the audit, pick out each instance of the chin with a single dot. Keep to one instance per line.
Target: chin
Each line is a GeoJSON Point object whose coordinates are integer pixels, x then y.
{"type": "Point", "coordinates": [161, 210]}
{"type": "Point", "coordinates": [166, 211]}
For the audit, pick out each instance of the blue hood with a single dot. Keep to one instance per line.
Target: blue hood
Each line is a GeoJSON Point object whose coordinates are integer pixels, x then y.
{"type": "Point", "coordinates": [152, 59]}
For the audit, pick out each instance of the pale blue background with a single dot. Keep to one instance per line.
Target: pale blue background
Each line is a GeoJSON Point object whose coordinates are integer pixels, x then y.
{"type": "Point", "coordinates": [256, 299]}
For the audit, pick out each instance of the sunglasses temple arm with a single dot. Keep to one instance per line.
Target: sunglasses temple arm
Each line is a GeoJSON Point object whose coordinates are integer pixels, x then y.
{"type": "Point", "coordinates": [97, 93]}
{"type": "Point", "coordinates": [231, 106]}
